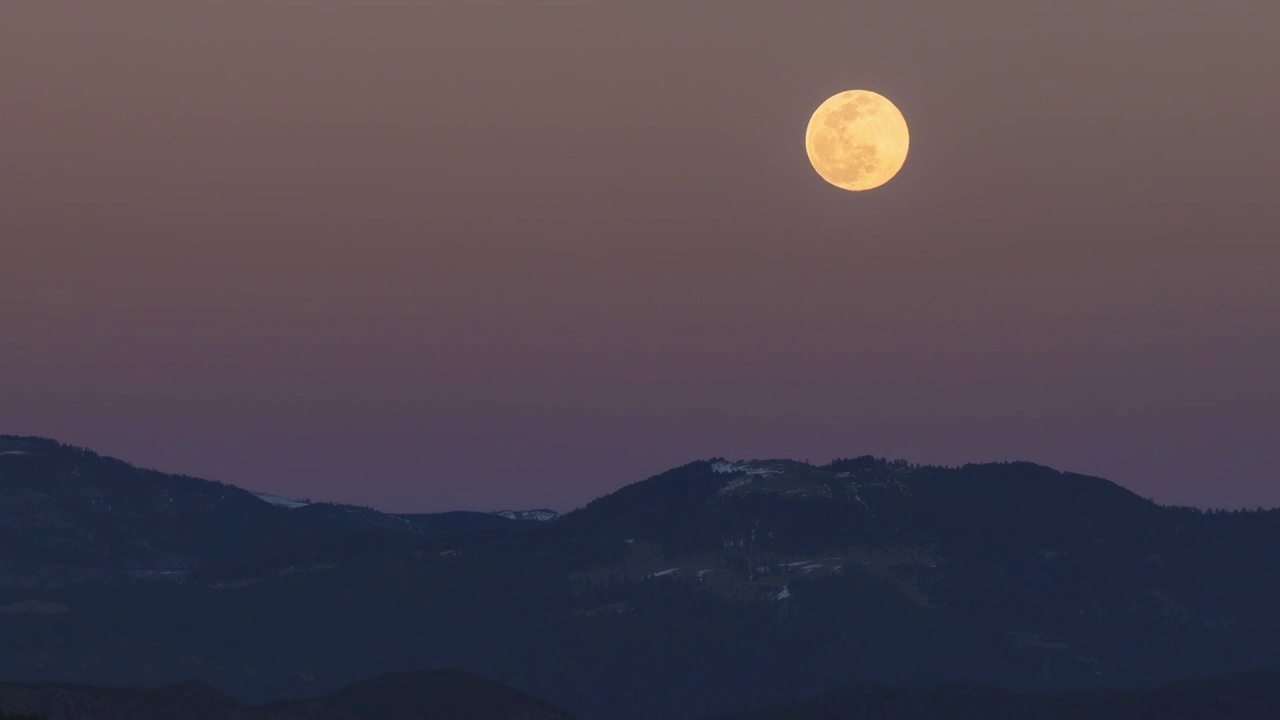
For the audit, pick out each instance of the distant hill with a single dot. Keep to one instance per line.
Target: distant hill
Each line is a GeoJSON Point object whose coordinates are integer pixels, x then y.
{"type": "Point", "coordinates": [1248, 696]}
{"type": "Point", "coordinates": [69, 515]}
{"type": "Point", "coordinates": [441, 695]}
{"type": "Point", "coordinates": [714, 587]}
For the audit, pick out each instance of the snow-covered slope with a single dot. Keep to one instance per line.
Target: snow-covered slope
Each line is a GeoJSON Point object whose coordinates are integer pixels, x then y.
{"type": "Point", "coordinates": [539, 515]}
{"type": "Point", "coordinates": [280, 501]}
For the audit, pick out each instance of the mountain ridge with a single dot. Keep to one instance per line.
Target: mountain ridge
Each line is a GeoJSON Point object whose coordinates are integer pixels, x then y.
{"type": "Point", "coordinates": [1253, 695]}
{"type": "Point", "coordinates": [712, 587]}
{"type": "Point", "coordinates": [429, 695]}
{"type": "Point", "coordinates": [97, 517]}
{"type": "Point", "coordinates": [453, 694]}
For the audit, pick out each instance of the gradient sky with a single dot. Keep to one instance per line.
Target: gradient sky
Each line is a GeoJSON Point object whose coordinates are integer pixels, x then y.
{"type": "Point", "coordinates": [436, 254]}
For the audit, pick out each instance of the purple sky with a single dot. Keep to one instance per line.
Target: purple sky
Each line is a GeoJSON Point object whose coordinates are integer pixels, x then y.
{"type": "Point", "coordinates": [437, 254]}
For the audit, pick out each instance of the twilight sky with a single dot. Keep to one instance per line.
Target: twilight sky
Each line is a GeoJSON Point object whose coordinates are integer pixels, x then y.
{"type": "Point", "coordinates": [436, 254]}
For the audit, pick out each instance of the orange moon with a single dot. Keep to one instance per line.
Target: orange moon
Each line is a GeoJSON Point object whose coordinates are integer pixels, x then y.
{"type": "Point", "coordinates": [857, 140]}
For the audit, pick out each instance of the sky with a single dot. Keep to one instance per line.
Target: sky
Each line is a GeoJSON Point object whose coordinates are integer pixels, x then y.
{"type": "Point", "coordinates": [435, 254]}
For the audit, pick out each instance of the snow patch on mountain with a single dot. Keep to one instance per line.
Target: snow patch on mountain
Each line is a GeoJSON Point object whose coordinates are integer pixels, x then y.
{"type": "Point", "coordinates": [748, 472]}
{"type": "Point", "coordinates": [280, 501]}
{"type": "Point", "coordinates": [15, 452]}
{"type": "Point", "coordinates": [745, 468]}
{"type": "Point", "coordinates": [539, 515]}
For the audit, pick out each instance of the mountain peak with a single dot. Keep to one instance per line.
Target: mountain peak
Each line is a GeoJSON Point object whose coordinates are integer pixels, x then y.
{"type": "Point", "coordinates": [795, 479]}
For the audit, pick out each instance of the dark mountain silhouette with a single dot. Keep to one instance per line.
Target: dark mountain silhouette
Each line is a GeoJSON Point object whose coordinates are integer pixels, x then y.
{"type": "Point", "coordinates": [69, 515]}
{"type": "Point", "coordinates": [710, 588]}
{"type": "Point", "coordinates": [1247, 696]}
{"type": "Point", "coordinates": [440, 695]}
{"type": "Point", "coordinates": [452, 695]}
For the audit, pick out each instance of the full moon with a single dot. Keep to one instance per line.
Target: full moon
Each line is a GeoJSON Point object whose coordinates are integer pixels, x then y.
{"type": "Point", "coordinates": [857, 140]}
